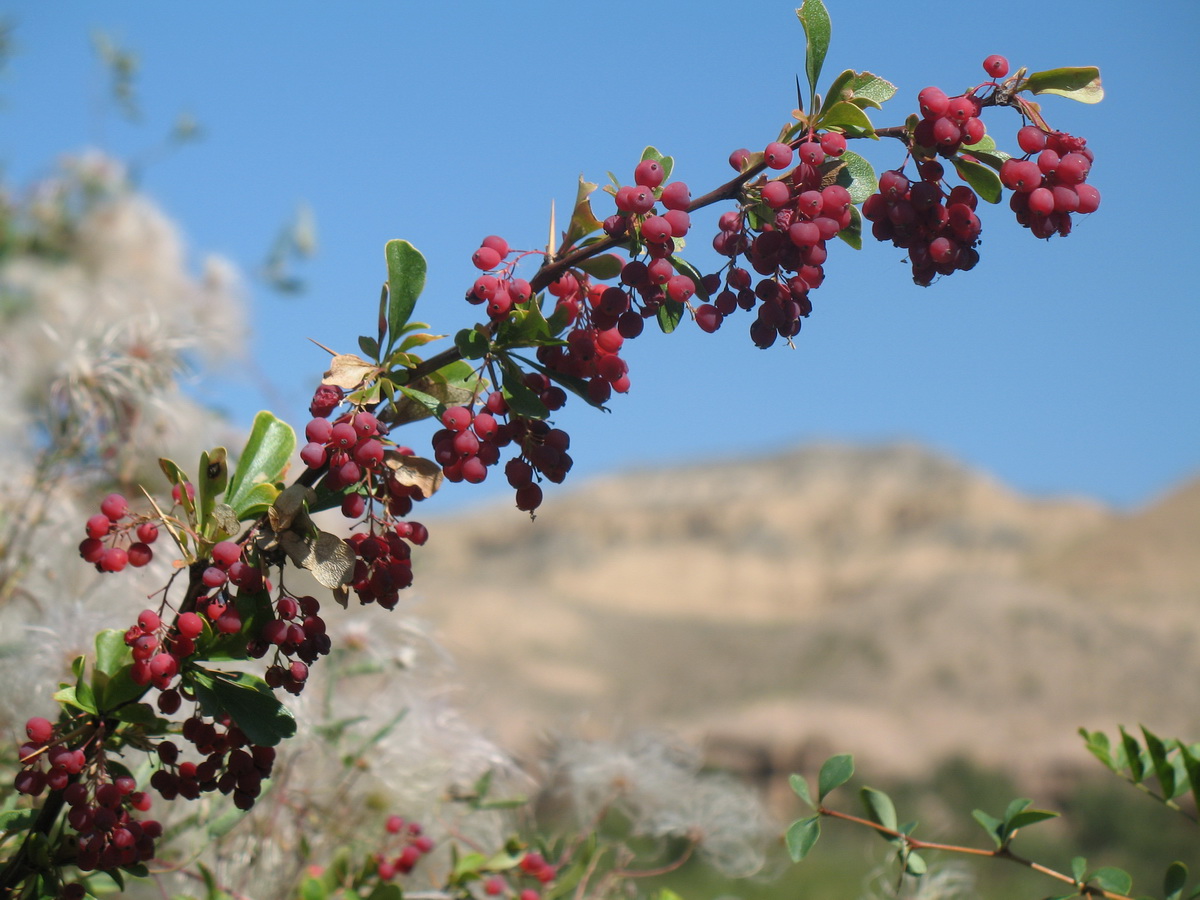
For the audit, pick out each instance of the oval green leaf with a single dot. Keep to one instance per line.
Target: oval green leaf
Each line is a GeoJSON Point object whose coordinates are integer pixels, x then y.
{"type": "Point", "coordinates": [985, 182]}
{"type": "Point", "coordinates": [406, 280]}
{"type": "Point", "coordinates": [249, 702]}
{"type": "Point", "coordinates": [267, 453]}
{"type": "Point", "coordinates": [800, 785]}
{"type": "Point", "coordinates": [801, 836]}
{"type": "Point", "coordinates": [1081, 83]}
{"type": "Point", "coordinates": [857, 176]}
{"type": "Point", "coordinates": [849, 118]}
{"type": "Point", "coordinates": [817, 29]}
{"type": "Point", "coordinates": [1110, 878]}
{"type": "Point", "coordinates": [835, 772]}
{"type": "Point", "coordinates": [879, 807]}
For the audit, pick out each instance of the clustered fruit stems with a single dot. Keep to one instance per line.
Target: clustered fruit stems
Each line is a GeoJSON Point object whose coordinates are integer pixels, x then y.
{"type": "Point", "coordinates": [1005, 852]}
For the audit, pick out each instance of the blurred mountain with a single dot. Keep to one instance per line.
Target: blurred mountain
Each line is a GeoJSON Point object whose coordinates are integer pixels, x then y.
{"type": "Point", "coordinates": [884, 601]}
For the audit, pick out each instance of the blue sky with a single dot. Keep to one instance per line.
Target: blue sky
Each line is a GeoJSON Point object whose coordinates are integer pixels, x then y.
{"type": "Point", "coordinates": [1062, 367]}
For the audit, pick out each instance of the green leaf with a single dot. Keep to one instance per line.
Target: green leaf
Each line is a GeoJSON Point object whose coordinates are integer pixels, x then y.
{"type": "Point", "coordinates": [369, 347]}
{"type": "Point", "coordinates": [1110, 878]}
{"type": "Point", "coordinates": [112, 653]}
{"type": "Point", "coordinates": [835, 772]}
{"type": "Point", "coordinates": [667, 162]}
{"type": "Point", "coordinates": [1191, 765]}
{"type": "Point", "coordinates": [993, 826]}
{"type": "Point", "coordinates": [801, 836]}
{"type": "Point", "coordinates": [583, 220]}
{"type": "Point", "coordinates": [521, 399]}
{"type": "Point", "coordinates": [1029, 817]}
{"type": "Point", "coordinates": [1082, 84]}
{"type": "Point", "coordinates": [471, 343]}
{"type": "Point", "coordinates": [313, 889]}
{"type": "Point", "coordinates": [386, 891]}
{"type": "Point", "coordinates": [249, 702]}
{"type": "Point", "coordinates": [848, 118]}
{"type": "Point", "coordinates": [1174, 880]}
{"type": "Point", "coordinates": [17, 820]}
{"type": "Point", "coordinates": [860, 88]}
{"type": "Point", "coordinates": [84, 695]}
{"type": "Point", "coordinates": [65, 696]}
{"type": "Point", "coordinates": [985, 182]}
{"type": "Point", "coordinates": [119, 689]}
{"type": "Point", "coordinates": [1163, 769]}
{"type": "Point", "coordinates": [267, 453]}
{"type": "Point", "coordinates": [800, 786]}
{"type": "Point", "coordinates": [857, 176]}
{"type": "Point", "coordinates": [1015, 807]}
{"type": "Point", "coordinates": [670, 314]}
{"type": "Point", "coordinates": [880, 808]}
{"type": "Point", "coordinates": [1098, 745]}
{"type": "Point", "coordinates": [605, 267]}
{"type": "Point", "coordinates": [406, 280]}
{"type": "Point", "coordinates": [815, 19]}
{"type": "Point", "coordinates": [852, 233]}
{"type": "Point", "coordinates": [914, 863]}
{"type": "Point", "coordinates": [1133, 752]}
{"type": "Point", "coordinates": [1078, 868]}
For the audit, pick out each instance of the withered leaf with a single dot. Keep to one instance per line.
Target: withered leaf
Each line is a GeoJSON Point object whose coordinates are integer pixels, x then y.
{"type": "Point", "coordinates": [348, 371]}
{"type": "Point", "coordinates": [416, 471]}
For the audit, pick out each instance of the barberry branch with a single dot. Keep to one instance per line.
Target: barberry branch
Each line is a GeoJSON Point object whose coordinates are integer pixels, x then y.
{"type": "Point", "coordinates": [1004, 853]}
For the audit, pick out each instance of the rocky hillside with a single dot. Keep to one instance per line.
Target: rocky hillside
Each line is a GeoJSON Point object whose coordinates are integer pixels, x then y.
{"type": "Point", "coordinates": [885, 601]}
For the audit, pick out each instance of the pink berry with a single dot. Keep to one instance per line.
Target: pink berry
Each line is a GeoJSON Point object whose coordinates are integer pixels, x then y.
{"type": "Point", "coordinates": [114, 506]}
{"type": "Point", "coordinates": [39, 729]}
{"type": "Point", "coordinates": [226, 553]}
{"type": "Point", "coordinates": [486, 258]}
{"type": "Point", "coordinates": [996, 66]}
{"type": "Point", "coordinates": [147, 532]}
{"type": "Point", "coordinates": [140, 554]}
{"type": "Point", "coordinates": [649, 173]}
{"type": "Point", "coordinates": [113, 559]}
{"type": "Point", "coordinates": [777, 155]}
{"type": "Point", "coordinates": [98, 525]}
{"type": "Point", "coordinates": [497, 243]}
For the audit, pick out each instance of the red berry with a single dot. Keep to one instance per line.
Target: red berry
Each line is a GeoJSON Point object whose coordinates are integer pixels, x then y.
{"type": "Point", "coordinates": [140, 555]}
{"type": "Point", "coordinates": [39, 729]}
{"type": "Point", "coordinates": [98, 526]}
{"type": "Point", "coordinates": [497, 243]}
{"type": "Point", "coordinates": [833, 143]}
{"type": "Point", "coordinates": [486, 258]}
{"type": "Point", "coordinates": [777, 155]}
{"type": "Point", "coordinates": [996, 66]}
{"type": "Point", "coordinates": [114, 506]}
{"type": "Point", "coordinates": [226, 553]}
{"type": "Point", "coordinates": [147, 532]}
{"type": "Point", "coordinates": [113, 559]}
{"type": "Point", "coordinates": [649, 173]}
{"type": "Point", "coordinates": [190, 625]}
{"type": "Point", "coordinates": [676, 195]}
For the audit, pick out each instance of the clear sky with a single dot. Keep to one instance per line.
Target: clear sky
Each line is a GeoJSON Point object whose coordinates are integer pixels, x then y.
{"type": "Point", "coordinates": [1063, 367]}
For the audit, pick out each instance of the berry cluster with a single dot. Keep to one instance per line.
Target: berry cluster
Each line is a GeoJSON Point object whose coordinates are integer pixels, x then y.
{"type": "Point", "coordinates": [110, 545]}
{"type": "Point", "coordinates": [414, 844]}
{"type": "Point", "coordinates": [231, 764]}
{"type": "Point", "coordinates": [948, 123]}
{"type": "Point", "coordinates": [533, 866]}
{"type": "Point", "coordinates": [384, 565]}
{"type": "Point", "coordinates": [782, 231]}
{"type": "Point", "coordinates": [354, 449]}
{"type": "Point", "coordinates": [938, 229]}
{"type": "Point", "coordinates": [470, 442]}
{"type": "Point", "coordinates": [100, 806]}
{"type": "Point", "coordinates": [297, 631]}
{"type": "Point", "coordinates": [350, 445]}
{"type": "Point", "coordinates": [1048, 188]}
